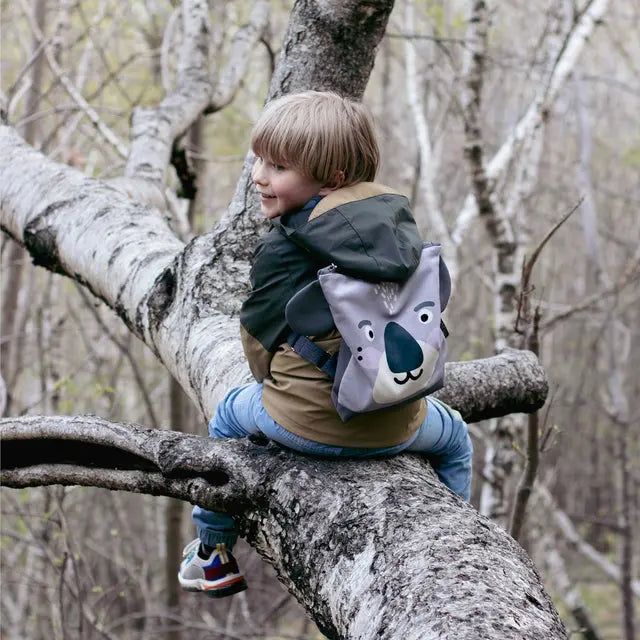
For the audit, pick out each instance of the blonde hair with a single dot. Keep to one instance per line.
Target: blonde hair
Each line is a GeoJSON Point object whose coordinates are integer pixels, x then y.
{"type": "Point", "coordinates": [326, 137]}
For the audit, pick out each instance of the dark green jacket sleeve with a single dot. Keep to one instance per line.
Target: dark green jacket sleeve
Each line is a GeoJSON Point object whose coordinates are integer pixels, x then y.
{"type": "Point", "coordinates": [279, 270]}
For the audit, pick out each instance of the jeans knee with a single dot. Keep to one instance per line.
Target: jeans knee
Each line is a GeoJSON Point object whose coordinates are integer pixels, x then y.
{"type": "Point", "coordinates": [220, 425]}
{"type": "Point", "coordinates": [461, 437]}
{"type": "Point", "coordinates": [236, 415]}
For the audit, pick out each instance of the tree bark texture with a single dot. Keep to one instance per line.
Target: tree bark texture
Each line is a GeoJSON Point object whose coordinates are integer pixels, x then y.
{"type": "Point", "coordinates": [535, 114]}
{"type": "Point", "coordinates": [372, 549]}
{"type": "Point", "coordinates": [330, 45]}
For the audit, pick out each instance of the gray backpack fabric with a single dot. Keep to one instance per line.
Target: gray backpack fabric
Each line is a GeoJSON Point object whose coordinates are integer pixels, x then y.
{"type": "Point", "coordinates": [393, 346]}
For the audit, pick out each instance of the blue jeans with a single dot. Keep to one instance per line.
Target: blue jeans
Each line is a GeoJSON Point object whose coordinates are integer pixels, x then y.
{"type": "Point", "coordinates": [442, 437]}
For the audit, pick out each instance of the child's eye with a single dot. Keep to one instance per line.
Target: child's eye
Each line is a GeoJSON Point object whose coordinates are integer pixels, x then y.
{"type": "Point", "coordinates": [279, 167]}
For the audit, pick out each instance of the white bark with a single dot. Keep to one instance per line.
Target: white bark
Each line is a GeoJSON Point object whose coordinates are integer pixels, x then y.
{"type": "Point", "coordinates": [437, 230]}
{"type": "Point", "coordinates": [166, 48]}
{"type": "Point", "coordinates": [236, 67]}
{"type": "Point", "coordinates": [487, 504]}
{"type": "Point", "coordinates": [499, 454]}
{"type": "Point", "coordinates": [153, 130]}
{"type": "Point", "coordinates": [85, 229]}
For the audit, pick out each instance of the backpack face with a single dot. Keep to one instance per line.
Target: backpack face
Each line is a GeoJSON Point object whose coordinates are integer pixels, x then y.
{"type": "Point", "coordinates": [393, 349]}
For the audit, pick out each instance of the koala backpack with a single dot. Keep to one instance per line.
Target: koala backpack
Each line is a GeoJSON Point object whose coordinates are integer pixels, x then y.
{"type": "Point", "coordinates": [393, 346]}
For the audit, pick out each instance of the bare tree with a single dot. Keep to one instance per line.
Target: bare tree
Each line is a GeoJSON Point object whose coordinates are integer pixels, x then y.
{"type": "Point", "coordinates": [497, 202]}
{"type": "Point", "coordinates": [14, 309]}
{"type": "Point", "coordinates": [616, 403]}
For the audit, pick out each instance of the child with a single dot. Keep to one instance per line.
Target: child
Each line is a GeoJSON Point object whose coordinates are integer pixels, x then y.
{"type": "Point", "coordinates": [316, 159]}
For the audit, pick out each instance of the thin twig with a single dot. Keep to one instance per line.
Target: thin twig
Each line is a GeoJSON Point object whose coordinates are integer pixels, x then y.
{"type": "Point", "coordinates": [76, 96]}
{"type": "Point", "coordinates": [153, 418]}
{"type": "Point", "coordinates": [527, 267]}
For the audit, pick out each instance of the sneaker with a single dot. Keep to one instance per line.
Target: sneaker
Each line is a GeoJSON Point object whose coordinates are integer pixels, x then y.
{"type": "Point", "coordinates": [218, 576]}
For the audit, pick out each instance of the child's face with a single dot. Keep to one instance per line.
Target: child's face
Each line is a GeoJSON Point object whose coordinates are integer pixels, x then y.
{"type": "Point", "coordinates": [282, 188]}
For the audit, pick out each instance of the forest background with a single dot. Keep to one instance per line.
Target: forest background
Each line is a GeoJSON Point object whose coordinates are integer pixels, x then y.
{"type": "Point", "coordinates": [83, 562]}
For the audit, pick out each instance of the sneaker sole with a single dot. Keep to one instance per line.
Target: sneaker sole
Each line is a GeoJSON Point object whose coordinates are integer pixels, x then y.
{"type": "Point", "coordinates": [218, 589]}
{"type": "Point", "coordinates": [223, 592]}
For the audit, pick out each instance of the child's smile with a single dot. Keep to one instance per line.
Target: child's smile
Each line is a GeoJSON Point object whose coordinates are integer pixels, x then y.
{"type": "Point", "coordinates": [282, 188]}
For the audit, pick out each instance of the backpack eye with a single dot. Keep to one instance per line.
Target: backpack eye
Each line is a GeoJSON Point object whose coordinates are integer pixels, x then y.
{"type": "Point", "coordinates": [367, 329]}
{"type": "Point", "coordinates": [425, 316]}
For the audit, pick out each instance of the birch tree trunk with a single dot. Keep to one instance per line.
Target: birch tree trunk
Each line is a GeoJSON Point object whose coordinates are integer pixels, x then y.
{"type": "Point", "coordinates": [308, 529]}
{"type": "Point", "coordinates": [521, 151]}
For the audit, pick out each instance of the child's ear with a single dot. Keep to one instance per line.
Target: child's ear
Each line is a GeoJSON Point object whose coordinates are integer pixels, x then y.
{"type": "Point", "coordinates": [336, 183]}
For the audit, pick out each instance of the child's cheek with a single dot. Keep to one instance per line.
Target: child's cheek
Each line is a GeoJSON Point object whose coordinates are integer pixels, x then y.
{"type": "Point", "coordinates": [368, 357]}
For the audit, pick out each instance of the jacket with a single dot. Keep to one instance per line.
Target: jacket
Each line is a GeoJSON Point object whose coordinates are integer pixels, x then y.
{"type": "Point", "coordinates": [366, 230]}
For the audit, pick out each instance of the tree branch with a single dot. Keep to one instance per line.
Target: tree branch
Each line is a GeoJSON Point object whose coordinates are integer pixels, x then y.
{"type": "Point", "coordinates": [325, 525]}
{"type": "Point", "coordinates": [464, 577]}
{"type": "Point", "coordinates": [73, 92]}
{"type": "Point", "coordinates": [236, 67]}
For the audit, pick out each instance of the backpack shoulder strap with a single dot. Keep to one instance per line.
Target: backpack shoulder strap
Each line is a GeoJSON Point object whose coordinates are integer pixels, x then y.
{"type": "Point", "coordinates": [316, 355]}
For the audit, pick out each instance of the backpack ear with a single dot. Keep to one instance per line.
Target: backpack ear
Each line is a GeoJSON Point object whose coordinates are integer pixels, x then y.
{"type": "Point", "coordinates": [308, 312]}
{"type": "Point", "coordinates": [445, 285]}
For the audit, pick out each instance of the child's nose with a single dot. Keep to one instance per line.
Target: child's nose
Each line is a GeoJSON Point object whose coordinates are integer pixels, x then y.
{"type": "Point", "coordinates": [257, 173]}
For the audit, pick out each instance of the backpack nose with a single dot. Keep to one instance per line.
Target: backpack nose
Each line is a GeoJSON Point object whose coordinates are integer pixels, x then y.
{"type": "Point", "coordinates": [403, 352]}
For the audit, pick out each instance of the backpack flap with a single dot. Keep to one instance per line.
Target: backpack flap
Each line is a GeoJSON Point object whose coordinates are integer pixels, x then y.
{"type": "Point", "coordinates": [393, 349]}
{"type": "Point", "coordinates": [308, 313]}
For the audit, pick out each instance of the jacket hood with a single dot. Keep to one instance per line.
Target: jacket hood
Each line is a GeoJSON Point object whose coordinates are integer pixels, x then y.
{"type": "Point", "coordinates": [366, 230]}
